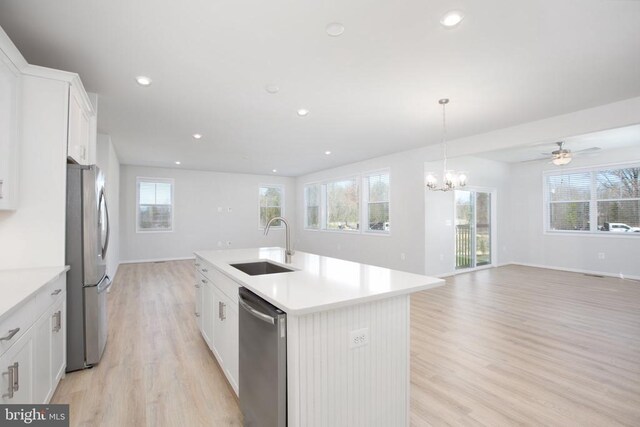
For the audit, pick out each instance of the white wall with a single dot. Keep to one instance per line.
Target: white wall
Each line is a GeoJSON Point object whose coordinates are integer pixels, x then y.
{"type": "Point", "coordinates": [409, 235]}
{"type": "Point", "coordinates": [484, 175]}
{"type": "Point", "coordinates": [530, 245]}
{"type": "Point", "coordinates": [34, 234]}
{"type": "Point", "coordinates": [107, 161]}
{"type": "Point", "coordinates": [197, 223]}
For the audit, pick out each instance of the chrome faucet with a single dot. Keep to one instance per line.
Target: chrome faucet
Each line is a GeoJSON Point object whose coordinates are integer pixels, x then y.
{"type": "Point", "coordinates": [288, 252]}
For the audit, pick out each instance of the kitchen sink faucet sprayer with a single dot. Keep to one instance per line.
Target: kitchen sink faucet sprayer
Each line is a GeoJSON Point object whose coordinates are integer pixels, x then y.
{"type": "Point", "coordinates": [288, 252]}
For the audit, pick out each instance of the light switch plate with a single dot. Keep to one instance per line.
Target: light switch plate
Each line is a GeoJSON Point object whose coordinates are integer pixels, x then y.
{"type": "Point", "coordinates": [358, 338]}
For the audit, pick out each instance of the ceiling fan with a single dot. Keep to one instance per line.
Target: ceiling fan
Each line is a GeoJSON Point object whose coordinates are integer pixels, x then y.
{"type": "Point", "coordinates": [562, 156]}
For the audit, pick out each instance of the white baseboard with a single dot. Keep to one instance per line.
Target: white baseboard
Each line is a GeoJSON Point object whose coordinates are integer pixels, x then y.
{"type": "Point", "coordinates": [139, 261]}
{"type": "Point", "coordinates": [578, 270]}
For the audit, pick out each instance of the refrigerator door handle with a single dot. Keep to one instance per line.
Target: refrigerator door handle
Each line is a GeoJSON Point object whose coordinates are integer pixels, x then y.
{"type": "Point", "coordinates": [103, 202]}
{"type": "Point", "coordinates": [104, 284]}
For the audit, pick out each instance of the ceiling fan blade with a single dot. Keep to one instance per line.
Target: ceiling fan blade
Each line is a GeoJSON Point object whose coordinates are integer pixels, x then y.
{"type": "Point", "coordinates": [539, 159]}
{"type": "Point", "coordinates": [588, 150]}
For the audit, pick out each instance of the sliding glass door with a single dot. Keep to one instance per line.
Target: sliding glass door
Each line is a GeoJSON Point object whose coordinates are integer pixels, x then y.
{"type": "Point", "coordinates": [473, 228]}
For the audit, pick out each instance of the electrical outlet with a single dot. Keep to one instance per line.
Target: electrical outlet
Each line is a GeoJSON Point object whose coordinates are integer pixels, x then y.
{"type": "Point", "coordinates": [219, 244]}
{"type": "Point", "coordinates": [600, 255]}
{"type": "Point", "coordinates": [219, 208]}
{"type": "Point", "coordinates": [358, 338]}
{"type": "Point", "coordinates": [229, 209]}
{"type": "Point", "coordinates": [403, 256]}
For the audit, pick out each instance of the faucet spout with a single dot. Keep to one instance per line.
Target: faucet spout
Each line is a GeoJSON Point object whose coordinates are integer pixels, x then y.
{"type": "Point", "coordinates": [288, 252]}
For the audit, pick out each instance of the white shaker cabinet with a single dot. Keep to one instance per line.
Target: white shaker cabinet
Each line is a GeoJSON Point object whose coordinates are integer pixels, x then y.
{"type": "Point", "coordinates": [219, 318]}
{"type": "Point", "coordinates": [79, 127]}
{"type": "Point", "coordinates": [32, 334]}
{"type": "Point", "coordinates": [9, 111]}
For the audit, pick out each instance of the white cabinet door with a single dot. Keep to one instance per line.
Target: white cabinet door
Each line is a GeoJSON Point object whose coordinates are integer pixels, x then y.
{"type": "Point", "coordinates": [198, 309]}
{"type": "Point", "coordinates": [9, 99]}
{"type": "Point", "coordinates": [42, 372]}
{"type": "Point", "coordinates": [58, 340]}
{"type": "Point", "coordinates": [232, 343]}
{"type": "Point", "coordinates": [16, 370]}
{"type": "Point", "coordinates": [207, 313]}
{"type": "Point", "coordinates": [218, 346]}
{"type": "Point", "coordinates": [79, 128]}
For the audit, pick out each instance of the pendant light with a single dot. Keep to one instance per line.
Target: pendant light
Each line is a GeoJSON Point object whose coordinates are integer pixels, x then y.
{"type": "Point", "coordinates": [450, 179]}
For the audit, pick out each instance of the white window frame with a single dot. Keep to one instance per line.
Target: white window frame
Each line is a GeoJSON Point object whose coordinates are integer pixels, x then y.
{"type": "Point", "coordinates": [365, 202]}
{"type": "Point", "coordinates": [593, 201]}
{"type": "Point", "coordinates": [362, 180]}
{"type": "Point", "coordinates": [171, 181]}
{"type": "Point", "coordinates": [282, 203]}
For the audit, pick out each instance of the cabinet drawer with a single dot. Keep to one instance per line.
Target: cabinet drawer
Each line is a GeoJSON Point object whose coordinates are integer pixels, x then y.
{"type": "Point", "coordinates": [17, 323]}
{"type": "Point", "coordinates": [225, 284]}
{"type": "Point", "coordinates": [203, 266]}
{"type": "Point", "coordinates": [50, 293]}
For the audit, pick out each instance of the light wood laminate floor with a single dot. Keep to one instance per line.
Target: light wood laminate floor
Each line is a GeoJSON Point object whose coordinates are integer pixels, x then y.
{"type": "Point", "coordinates": [500, 347]}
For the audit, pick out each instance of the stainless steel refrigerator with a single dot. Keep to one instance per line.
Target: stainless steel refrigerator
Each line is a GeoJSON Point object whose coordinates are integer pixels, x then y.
{"type": "Point", "coordinates": [87, 241]}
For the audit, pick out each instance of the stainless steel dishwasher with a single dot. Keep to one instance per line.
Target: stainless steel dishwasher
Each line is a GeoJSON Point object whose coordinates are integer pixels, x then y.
{"type": "Point", "coordinates": [263, 362]}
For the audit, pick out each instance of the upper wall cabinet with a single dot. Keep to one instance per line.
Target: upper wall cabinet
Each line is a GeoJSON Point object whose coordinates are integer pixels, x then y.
{"type": "Point", "coordinates": [9, 107]}
{"type": "Point", "coordinates": [80, 122]}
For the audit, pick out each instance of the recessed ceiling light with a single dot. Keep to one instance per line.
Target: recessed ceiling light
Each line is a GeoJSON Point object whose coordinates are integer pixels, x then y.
{"type": "Point", "coordinates": [303, 112]}
{"type": "Point", "coordinates": [335, 29]}
{"type": "Point", "coordinates": [327, 152]}
{"type": "Point", "coordinates": [197, 135]}
{"type": "Point", "coordinates": [275, 170]}
{"type": "Point", "coordinates": [143, 80]}
{"type": "Point", "coordinates": [272, 89]}
{"type": "Point", "coordinates": [177, 163]}
{"type": "Point", "coordinates": [452, 18]}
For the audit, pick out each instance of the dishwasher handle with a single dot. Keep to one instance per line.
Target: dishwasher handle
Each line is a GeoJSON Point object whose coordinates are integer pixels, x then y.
{"type": "Point", "coordinates": [256, 313]}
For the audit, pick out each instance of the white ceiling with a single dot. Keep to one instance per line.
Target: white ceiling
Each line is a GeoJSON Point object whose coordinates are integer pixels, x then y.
{"type": "Point", "coordinates": [370, 92]}
{"type": "Point", "coordinates": [628, 136]}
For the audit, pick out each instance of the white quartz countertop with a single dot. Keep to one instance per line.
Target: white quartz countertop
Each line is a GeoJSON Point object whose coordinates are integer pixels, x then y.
{"type": "Point", "coordinates": [18, 285]}
{"type": "Point", "coordinates": [318, 283]}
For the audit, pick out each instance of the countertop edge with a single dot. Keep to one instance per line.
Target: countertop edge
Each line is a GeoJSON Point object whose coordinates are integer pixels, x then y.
{"type": "Point", "coordinates": [56, 272]}
{"type": "Point", "coordinates": [432, 283]}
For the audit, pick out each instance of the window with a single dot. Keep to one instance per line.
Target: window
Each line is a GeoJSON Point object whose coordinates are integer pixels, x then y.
{"type": "Point", "coordinates": [596, 200]}
{"type": "Point", "coordinates": [271, 204]}
{"type": "Point", "coordinates": [339, 205]}
{"type": "Point", "coordinates": [377, 201]}
{"type": "Point", "coordinates": [155, 204]}
{"type": "Point", "coordinates": [343, 205]}
{"type": "Point", "coordinates": [312, 206]}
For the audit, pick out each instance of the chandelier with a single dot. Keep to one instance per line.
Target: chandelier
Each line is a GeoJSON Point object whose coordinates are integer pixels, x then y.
{"type": "Point", "coordinates": [450, 179]}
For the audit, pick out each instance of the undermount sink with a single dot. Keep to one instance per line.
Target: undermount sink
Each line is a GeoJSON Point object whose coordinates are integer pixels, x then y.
{"type": "Point", "coordinates": [260, 268]}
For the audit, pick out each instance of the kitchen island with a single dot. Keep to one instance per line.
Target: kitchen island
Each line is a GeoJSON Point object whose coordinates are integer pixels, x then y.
{"type": "Point", "coordinates": [347, 329]}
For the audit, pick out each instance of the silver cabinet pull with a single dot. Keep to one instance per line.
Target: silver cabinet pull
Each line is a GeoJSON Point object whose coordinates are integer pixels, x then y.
{"type": "Point", "coordinates": [11, 334]}
{"type": "Point", "coordinates": [13, 384]}
{"type": "Point", "coordinates": [203, 281]}
{"type": "Point", "coordinates": [220, 310]}
{"type": "Point", "coordinates": [204, 270]}
{"type": "Point", "coordinates": [197, 265]}
{"type": "Point", "coordinates": [197, 314]}
{"type": "Point", "coordinates": [56, 292]}
{"type": "Point", "coordinates": [16, 377]}
{"type": "Point", "coordinates": [223, 314]}
{"type": "Point", "coordinates": [197, 286]}
{"type": "Point", "coordinates": [57, 321]}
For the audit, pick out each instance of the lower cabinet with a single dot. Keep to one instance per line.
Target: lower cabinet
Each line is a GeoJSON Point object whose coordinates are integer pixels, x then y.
{"type": "Point", "coordinates": [16, 378]}
{"type": "Point", "coordinates": [219, 324]}
{"type": "Point", "coordinates": [31, 368]}
{"type": "Point", "coordinates": [49, 352]}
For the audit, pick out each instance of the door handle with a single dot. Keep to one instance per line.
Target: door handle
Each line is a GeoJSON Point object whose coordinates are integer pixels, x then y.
{"type": "Point", "coordinates": [12, 374]}
{"type": "Point", "coordinates": [16, 377]}
{"type": "Point", "coordinates": [56, 292]}
{"type": "Point", "coordinates": [256, 313]}
{"type": "Point", "coordinates": [11, 334]}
